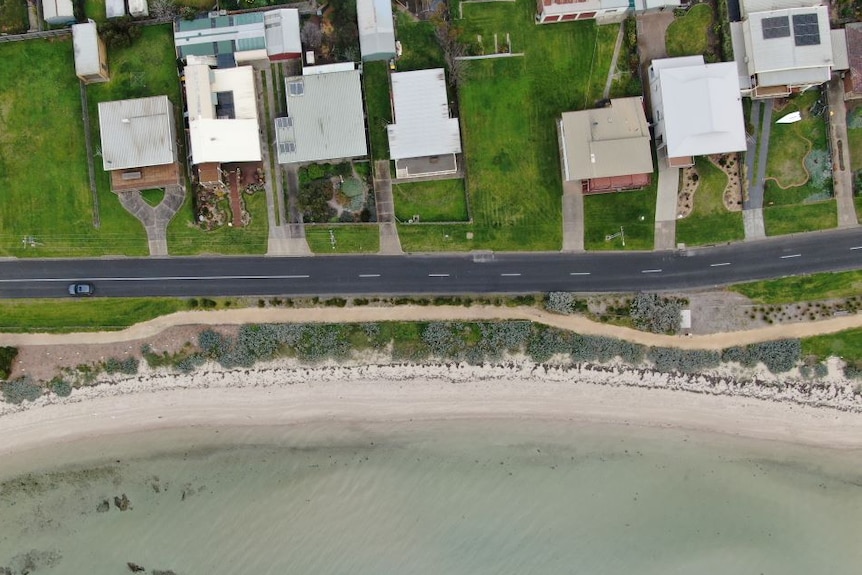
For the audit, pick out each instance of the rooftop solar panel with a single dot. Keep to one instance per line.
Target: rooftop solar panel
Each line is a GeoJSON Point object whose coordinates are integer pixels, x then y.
{"type": "Point", "coordinates": [806, 30]}
{"type": "Point", "coordinates": [777, 27]}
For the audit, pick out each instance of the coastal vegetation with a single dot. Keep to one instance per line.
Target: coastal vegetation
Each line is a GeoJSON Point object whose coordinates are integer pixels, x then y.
{"type": "Point", "coordinates": [820, 286]}
{"type": "Point", "coordinates": [7, 356]}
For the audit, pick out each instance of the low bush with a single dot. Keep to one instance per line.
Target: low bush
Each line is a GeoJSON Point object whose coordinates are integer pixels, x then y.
{"type": "Point", "coordinates": [657, 314]}
{"type": "Point", "coordinates": [778, 356]}
{"type": "Point", "coordinates": [7, 356]}
{"type": "Point", "coordinates": [114, 365]}
{"type": "Point", "coordinates": [20, 390]}
{"type": "Point", "coordinates": [61, 387]}
{"type": "Point", "coordinates": [545, 342]}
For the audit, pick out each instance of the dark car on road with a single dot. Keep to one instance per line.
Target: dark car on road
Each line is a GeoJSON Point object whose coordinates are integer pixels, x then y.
{"type": "Point", "coordinates": [81, 289]}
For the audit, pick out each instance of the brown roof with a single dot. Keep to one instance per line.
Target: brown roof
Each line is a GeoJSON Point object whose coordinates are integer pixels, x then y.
{"type": "Point", "coordinates": [854, 54]}
{"type": "Point", "coordinates": [146, 177]}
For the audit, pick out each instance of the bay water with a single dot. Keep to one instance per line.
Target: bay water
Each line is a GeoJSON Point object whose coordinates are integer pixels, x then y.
{"type": "Point", "coordinates": [444, 497]}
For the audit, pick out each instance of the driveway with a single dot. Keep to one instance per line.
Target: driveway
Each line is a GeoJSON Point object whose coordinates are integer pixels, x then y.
{"type": "Point", "coordinates": [651, 46]}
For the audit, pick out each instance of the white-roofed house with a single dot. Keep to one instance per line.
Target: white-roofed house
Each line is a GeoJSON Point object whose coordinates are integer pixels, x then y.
{"type": "Point", "coordinates": [58, 12]}
{"type": "Point", "coordinates": [139, 143]}
{"type": "Point", "coordinates": [783, 46]}
{"type": "Point", "coordinates": [282, 34]}
{"type": "Point", "coordinates": [696, 107]}
{"type": "Point", "coordinates": [115, 8]}
{"type": "Point", "coordinates": [376, 29]}
{"type": "Point", "coordinates": [325, 120]}
{"type": "Point", "coordinates": [91, 60]}
{"type": "Point", "coordinates": [424, 139]}
{"type": "Point", "coordinates": [607, 149]}
{"type": "Point", "coordinates": [223, 121]}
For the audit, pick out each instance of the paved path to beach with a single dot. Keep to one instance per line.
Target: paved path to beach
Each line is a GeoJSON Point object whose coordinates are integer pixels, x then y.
{"type": "Point", "coordinates": [577, 324]}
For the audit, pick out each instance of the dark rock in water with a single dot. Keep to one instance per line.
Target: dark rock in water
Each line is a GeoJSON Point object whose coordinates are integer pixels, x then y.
{"type": "Point", "coordinates": [33, 561]}
{"type": "Point", "coordinates": [103, 507]}
{"type": "Point", "coordinates": [168, 572]}
{"type": "Point", "coordinates": [134, 567]}
{"type": "Point", "coordinates": [122, 502]}
{"type": "Point", "coordinates": [5, 571]}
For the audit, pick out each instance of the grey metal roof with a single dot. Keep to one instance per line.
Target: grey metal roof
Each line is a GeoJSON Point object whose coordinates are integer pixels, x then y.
{"type": "Point", "coordinates": [751, 6]}
{"type": "Point", "coordinates": [325, 118]}
{"type": "Point", "coordinates": [376, 29]}
{"type": "Point", "coordinates": [115, 8]}
{"type": "Point", "coordinates": [282, 31]}
{"type": "Point", "coordinates": [606, 142]}
{"type": "Point", "coordinates": [422, 124]}
{"type": "Point", "coordinates": [137, 133]}
{"type": "Point", "coordinates": [58, 11]}
{"type": "Point", "coordinates": [85, 43]}
{"type": "Point", "coordinates": [840, 54]}
{"type": "Point", "coordinates": [798, 51]}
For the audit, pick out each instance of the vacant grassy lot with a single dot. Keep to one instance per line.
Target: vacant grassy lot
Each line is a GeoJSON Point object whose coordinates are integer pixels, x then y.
{"type": "Point", "coordinates": [634, 211]}
{"type": "Point", "coordinates": [688, 35]}
{"type": "Point", "coordinates": [375, 77]}
{"type": "Point", "coordinates": [13, 17]}
{"type": "Point", "coordinates": [508, 107]}
{"type": "Point", "coordinates": [436, 237]}
{"type": "Point", "coordinates": [185, 238]}
{"type": "Point", "coordinates": [435, 201]}
{"type": "Point", "coordinates": [709, 222]}
{"type": "Point", "coordinates": [419, 47]}
{"type": "Point", "coordinates": [844, 344]}
{"type": "Point", "coordinates": [803, 288]}
{"type": "Point", "coordinates": [53, 315]}
{"type": "Point", "coordinates": [43, 164]}
{"type": "Point", "coordinates": [360, 239]}
{"type": "Point", "coordinates": [781, 220]}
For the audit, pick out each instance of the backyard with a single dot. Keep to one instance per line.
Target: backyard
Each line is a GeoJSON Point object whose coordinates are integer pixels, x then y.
{"type": "Point", "coordinates": [420, 49]}
{"type": "Point", "coordinates": [13, 16]}
{"type": "Point", "coordinates": [46, 208]}
{"type": "Point", "coordinates": [375, 78]}
{"type": "Point", "coordinates": [634, 212]}
{"type": "Point", "coordinates": [709, 222]}
{"type": "Point", "coordinates": [798, 187]}
{"type": "Point", "coordinates": [434, 201]}
{"type": "Point", "coordinates": [508, 107]}
{"type": "Point", "coordinates": [691, 34]}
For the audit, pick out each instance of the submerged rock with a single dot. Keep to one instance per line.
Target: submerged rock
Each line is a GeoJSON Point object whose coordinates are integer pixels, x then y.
{"type": "Point", "coordinates": [104, 506]}
{"type": "Point", "coordinates": [122, 502]}
{"type": "Point", "coordinates": [168, 572]}
{"type": "Point", "coordinates": [134, 567]}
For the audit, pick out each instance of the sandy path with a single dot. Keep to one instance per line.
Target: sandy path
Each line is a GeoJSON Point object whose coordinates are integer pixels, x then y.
{"type": "Point", "coordinates": [578, 324]}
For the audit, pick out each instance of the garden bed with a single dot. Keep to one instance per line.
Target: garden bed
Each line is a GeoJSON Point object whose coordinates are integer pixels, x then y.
{"type": "Point", "coordinates": [342, 193]}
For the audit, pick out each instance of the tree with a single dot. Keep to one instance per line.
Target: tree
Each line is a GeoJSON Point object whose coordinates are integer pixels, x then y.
{"type": "Point", "coordinates": [314, 201]}
{"type": "Point", "coordinates": [311, 35]}
{"type": "Point", "coordinates": [119, 32]}
{"type": "Point", "coordinates": [453, 49]}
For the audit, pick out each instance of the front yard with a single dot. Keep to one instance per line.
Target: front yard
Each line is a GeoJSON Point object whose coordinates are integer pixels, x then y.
{"type": "Point", "coordinates": [634, 212]}
{"type": "Point", "coordinates": [508, 108]}
{"type": "Point", "coordinates": [798, 187]}
{"type": "Point", "coordinates": [43, 164]}
{"type": "Point", "coordinates": [186, 238]}
{"type": "Point", "coordinates": [342, 239]}
{"type": "Point", "coordinates": [434, 201]}
{"type": "Point", "coordinates": [709, 222]}
{"type": "Point", "coordinates": [691, 34]}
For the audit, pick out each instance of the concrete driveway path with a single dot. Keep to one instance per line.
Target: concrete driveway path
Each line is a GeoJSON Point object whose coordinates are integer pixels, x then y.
{"type": "Point", "coordinates": [665, 205]}
{"type": "Point", "coordinates": [155, 219]}
{"type": "Point", "coordinates": [390, 243]}
{"type": "Point", "coordinates": [573, 217]}
{"type": "Point", "coordinates": [842, 175]}
{"type": "Point", "coordinates": [752, 205]}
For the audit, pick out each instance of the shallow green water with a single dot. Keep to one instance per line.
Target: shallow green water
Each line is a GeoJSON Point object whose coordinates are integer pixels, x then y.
{"type": "Point", "coordinates": [459, 497]}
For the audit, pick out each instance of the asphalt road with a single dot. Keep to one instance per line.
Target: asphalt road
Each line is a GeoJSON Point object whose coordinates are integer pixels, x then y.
{"type": "Point", "coordinates": [439, 274]}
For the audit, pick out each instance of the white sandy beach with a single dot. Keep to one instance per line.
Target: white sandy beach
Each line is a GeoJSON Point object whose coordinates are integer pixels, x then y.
{"type": "Point", "coordinates": [282, 394]}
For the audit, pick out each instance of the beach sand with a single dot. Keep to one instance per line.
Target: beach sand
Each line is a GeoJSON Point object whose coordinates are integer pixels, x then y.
{"type": "Point", "coordinates": [280, 393]}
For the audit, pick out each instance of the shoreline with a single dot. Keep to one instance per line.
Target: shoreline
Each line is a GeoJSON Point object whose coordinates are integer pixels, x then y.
{"type": "Point", "coordinates": [279, 393]}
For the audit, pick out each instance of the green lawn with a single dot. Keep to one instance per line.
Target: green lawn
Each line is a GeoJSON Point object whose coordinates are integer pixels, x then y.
{"type": "Point", "coordinates": [780, 220]}
{"type": "Point", "coordinates": [508, 107]}
{"type": "Point", "coordinates": [434, 201]}
{"type": "Point", "coordinates": [634, 211]}
{"type": "Point", "coordinates": [688, 35]}
{"type": "Point", "coordinates": [419, 47]}
{"type": "Point", "coordinates": [43, 164]}
{"type": "Point", "coordinates": [606, 38]}
{"type": "Point", "coordinates": [186, 238]}
{"type": "Point", "coordinates": [803, 288]}
{"type": "Point", "coordinates": [55, 315]}
{"type": "Point", "coordinates": [376, 78]}
{"type": "Point", "coordinates": [436, 237]}
{"type": "Point", "coordinates": [95, 9]}
{"type": "Point", "coordinates": [858, 201]}
{"type": "Point", "coordinates": [854, 140]}
{"type": "Point", "coordinates": [709, 222]}
{"type": "Point", "coordinates": [153, 197]}
{"type": "Point", "coordinates": [844, 344]}
{"type": "Point", "coordinates": [13, 17]}
{"type": "Point", "coordinates": [350, 238]}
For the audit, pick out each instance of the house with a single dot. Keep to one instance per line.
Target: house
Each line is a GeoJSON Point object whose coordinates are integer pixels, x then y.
{"type": "Point", "coordinates": [853, 76]}
{"type": "Point", "coordinates": [376, 29]}
{"type": "Point", "coordinates": [424, 139]}
{"type": "Point", "coordinates": [139, 8]}
{"type": "Point", "coordinates": [696, 109]}
{"type": "Point", "coordinates": [91, 60]}
{"type": "Point", "coordinates": [115, 8]}
{"type": "Point", "coordinates": [58, 12]}
{"type": "Point", "coordinates": [783, 46]}
{"type": "Point", "coordinates": [281, 32]}
{"type": "Point", "coordinates": [232, 39]}
{"type": "Point", "coordinates": [325, 120]}
{"type": "Point", "coordinates": [223, 121]}
{"type": "Point", "coordinates": [607, 149]}
{"type": "Point", "coordinates": [548, 11]}
{"type": "Point", "coordinates": [139, 143]}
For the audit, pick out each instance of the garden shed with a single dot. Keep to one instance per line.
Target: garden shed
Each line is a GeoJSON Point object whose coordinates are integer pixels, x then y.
{"type": "Point", "coordinates": [58, 12]}
{"type": "Point", "coordinates": [91, 60]}
{"type": "Point", "coordinates": [139, 8]}
{"type": "Point", "coordinates": [376, 29]}
{"type": "Point", "coordinates": [282, 34]}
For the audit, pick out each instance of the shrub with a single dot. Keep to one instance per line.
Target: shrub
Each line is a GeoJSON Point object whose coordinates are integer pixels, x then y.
{"type": "Point", "coordinates": [737, 354]}
{"type": "Point", "coordinates": [653, 313]}
{"type": "Point", "coordinates": [322, 341]}
{"type": "Point", "coordinates": [258, 341]}
{"type": "Point", "coordinates": [545, 342]}
{"type": "Point", "coordinates": [7, 356]}
{"type": "Point", "coordinates": [560, 302]}
{"type": "Point", "coordinates": [668, 359]}
{"type": "Point", "coordinates": [213, 344]}
{"type": "Point", "coordinates": [128, 366]}
{"type": "Point", "coordinates": [778, 356]}
{"type": "Point", "coordinates": [61, 387]}
{"type": "Point", "coordinates": [20, 390]}
{"type": "Point", "coordinates": [443, 339]}
{"type": "Point", "coordinates": [189, 363]}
